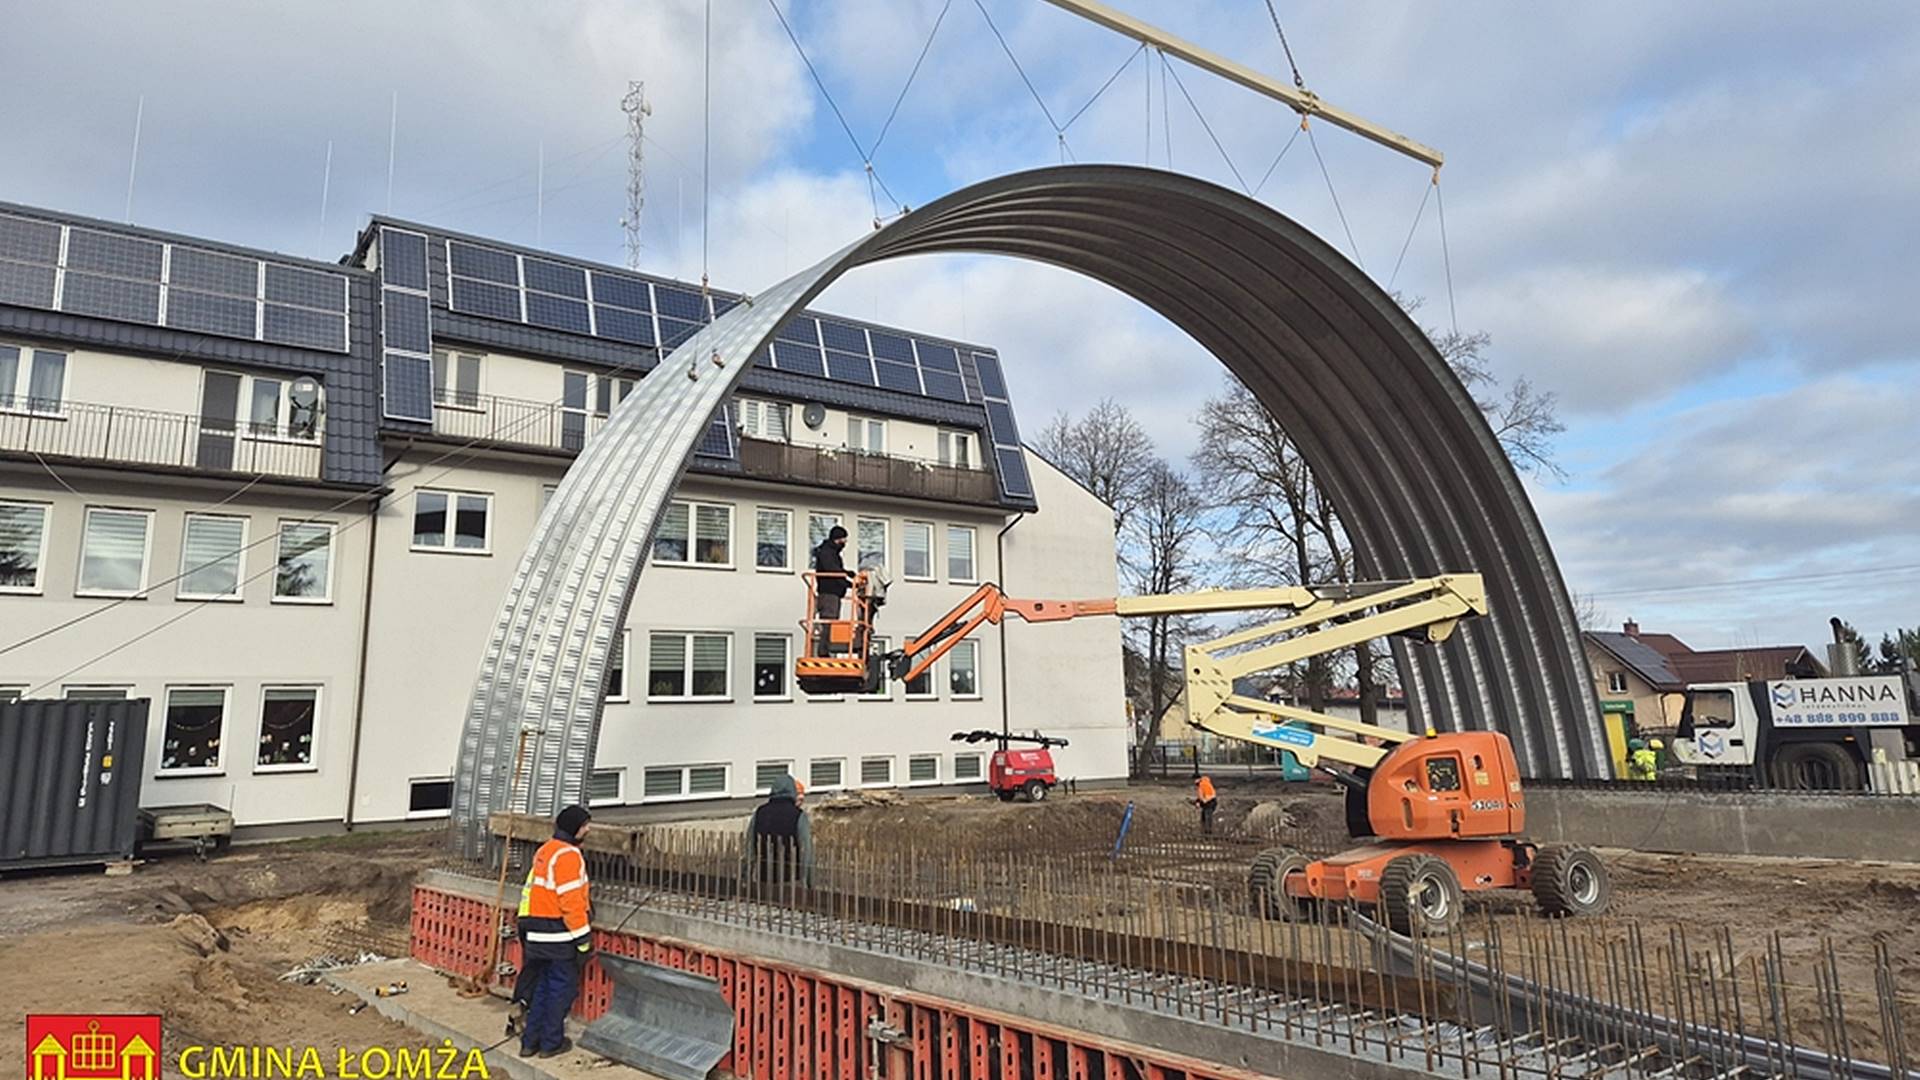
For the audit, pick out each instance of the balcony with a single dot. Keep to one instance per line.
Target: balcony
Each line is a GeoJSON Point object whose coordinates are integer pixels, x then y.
{"type": "Point", "coordinates": [876, 473]}
{"type": "Point", "coordinates": [542, 425]}
{"type": "Point", "coordinates": [78, 431]}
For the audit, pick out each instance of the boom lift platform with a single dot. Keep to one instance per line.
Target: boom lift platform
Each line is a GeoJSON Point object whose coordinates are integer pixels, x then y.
{"type": "Point", "coordinates": [1443, 812]}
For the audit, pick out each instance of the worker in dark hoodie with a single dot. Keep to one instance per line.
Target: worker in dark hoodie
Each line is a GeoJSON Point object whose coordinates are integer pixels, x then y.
{"type": "Point", "coordinates": [779, 848]}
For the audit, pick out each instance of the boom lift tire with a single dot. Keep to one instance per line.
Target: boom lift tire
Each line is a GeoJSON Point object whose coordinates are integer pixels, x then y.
{"type": "Point", "coordinates": [1266, 885]}
{"type": "Point", "coordinates": [1816, 766]}
{"type": "Point", "coordinates": [1420, 894]}
{"type": "Point", "coordinates": [1570, 880]}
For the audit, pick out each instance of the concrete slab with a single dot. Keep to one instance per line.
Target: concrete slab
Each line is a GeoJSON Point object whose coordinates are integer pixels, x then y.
{"type": "Point", "coordinates": [434, 1008]}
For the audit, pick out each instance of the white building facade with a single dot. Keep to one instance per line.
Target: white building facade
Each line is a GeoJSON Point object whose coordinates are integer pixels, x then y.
{"type": "Point", "coordinates": [282, 501]}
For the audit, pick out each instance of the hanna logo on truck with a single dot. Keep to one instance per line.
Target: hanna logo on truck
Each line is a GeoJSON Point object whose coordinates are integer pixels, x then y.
{"type": "Point", "coordinates": [1834, 692]}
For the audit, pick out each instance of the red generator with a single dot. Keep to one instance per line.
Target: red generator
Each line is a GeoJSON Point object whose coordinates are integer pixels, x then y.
{"type": "Point", "coordinates": [1017, 771]}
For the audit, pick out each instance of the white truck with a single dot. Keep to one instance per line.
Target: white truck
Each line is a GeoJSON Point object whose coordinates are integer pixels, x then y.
{"type": "Point", "coordinates": [1820, 734]}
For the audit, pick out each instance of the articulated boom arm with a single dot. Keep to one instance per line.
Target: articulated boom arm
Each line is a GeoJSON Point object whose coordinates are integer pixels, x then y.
{"type": "Point", "coordinates": [1321, 619]}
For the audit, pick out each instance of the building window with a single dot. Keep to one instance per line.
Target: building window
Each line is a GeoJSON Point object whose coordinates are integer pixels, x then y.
{"type": "Point", "coordinates": [876, 771]}
{"type": "Point", "coordinates": [212, 552]}
{"type": "Point", "coordinates": [917, 551]}
{"type": "Point", "coordinates": [769, 420]}
{"type": "Point", "coordinates": [765, 773]}
{"type": "Point", "coordinates": [963, 670]}
{"type": "Point", "coordinates": [114, 551]}
{"type": "Point", "coordinates": [712, 535]}
{"type": "Point", "coordinates": [923, 769]}
{"type": "Point", "coordinates": [275, 410]}
{"type": "Point", "coordinates": [956, 449]}
{"type": "Point", "coordinates": [287, 728]}
{"type": "Point", "coordinates": [430, 797]}
{"type": "Point", "coordinates": [826, 773]}
{"type": "Point", "coordinates": [866, 435]}
{"type": "Point", "coordinates": [770, 666]}
{"type": "Point", "coordinates": [684, 782]}
{"type": "Point", "coordinates": [960, 554]}
{"type": "Point", "coordinates": [305, 571]}
{"type": "Point", "coordinates": [617, 666]}
{"type": "Point", "coordinates": [196, 722]}
{"type": "Point", "coordinates": [547, 492]}
{"type": "Point", "coordinates": [773, 539]}
{"type": "Point", "coordinates": [32, 380]}
{"type": "Point", "coordinates": [689, 667]}
{"type": "Point", "coordinates": [885, 692]}
{"type": "Point", "coordinates": [606, 787]}
{"type": "Point", "coordinates": [611, 390]}
{"type": "Point", "coordinates": [818, 526]}
{"type": "Point", "coordinates": [456, 379]}
{"type": "Point", "coordinates": [966, 767]}
{"type": "Point", "coordinates": [871, 539]}
{"type": "Point", "coordinates": [95, 693]}
{"type": "Point", "coordinates": [471, 519]}
{"type": "Point", "coordinates": [921, 687]}
{"type": "Point", "coordinates": [23, 546]}
{"type": "Point", "coordinates": [1616, 682]}
{"type": "Point", "coordinates": [12, 693]}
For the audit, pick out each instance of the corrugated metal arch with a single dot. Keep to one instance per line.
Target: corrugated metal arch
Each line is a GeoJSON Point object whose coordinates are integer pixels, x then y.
{"type": "Point", "coordinates": [1420, 478]}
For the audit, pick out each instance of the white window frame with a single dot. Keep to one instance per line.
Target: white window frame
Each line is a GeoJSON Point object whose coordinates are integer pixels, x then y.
{"type": "Point", "coordinates": [945, 439]}
{"type": "Point", "coordinates": [787, 568]}
{"type": "Point", "coordinates": [1616, 682]}
{"type": "Point", "coordinates": [693, 507]}
{"type": "Point", "coordinates": [786, 667]}
{"type": "Point", "coordinates": [125, 689]}
{"type": "Point", "coordinates": [326, 592]}
{"type": "Point", "coordinates": [453, 497]}
{"type": "Point", "coordinates": [240, 555]}
{"type": "Point", "coordinates": [888, 782]}
{"type": "Point", "coordinates": [973, 554]}
{"type": "Point", "coordinates": [13, 692]}
{"type": "Point", "coordinates": [16, 395]}
{"type": "Point", "coordinates": [979, 768]}
{"type": "Point", "coordinates": [836, 519]}
{"type": "Point", "coordinates": [422, 815]}
{"type": "Point", "coordinates": [687, 794]}
{"type": "Point", "coordinates": [754, 414]}
{"type": "Point", "coordinates": [219, 768]}
{"type": "Point", "coordinates": [619, 786]}
{"type": "Point", "coordinates": [39, 585]}
{"type": "Point", "coordinates": [446, 379]}
{"type": "Point", "coordinates": [932, 565]}
{"type": "Point", "coordinates": [839, 761]}
{"type": "Point", "coordinates": [785, 765]}
{"type": "Point", "coordinates": [932, 676]}
{"type": "Point", "coordinates": [935, 782]}
{"type": "Point", "coordinates": [973, 649]}
{"type": "Point", "coordinates": [623, 694]}
{"type": "Point", "coordinates": [886, 539]}
{"type": "Point", "coordinates": [313, 743]}
{"type": "Point", "coordinates": [146, 555]}
{"type": "Point", "coordinates": [547, 492]}
{"type": "Point", "coordinates": [687, 668]}
{"type": "Point", "coordinates": [866, 426]}
{"type": "Point", "coordinates": [881, 641]}
{"type": "Point", "coordinates": [281, 432]}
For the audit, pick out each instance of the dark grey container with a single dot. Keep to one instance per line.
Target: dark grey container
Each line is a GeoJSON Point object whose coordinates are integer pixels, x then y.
{"type": "Point", "coordinates": [70, 781]}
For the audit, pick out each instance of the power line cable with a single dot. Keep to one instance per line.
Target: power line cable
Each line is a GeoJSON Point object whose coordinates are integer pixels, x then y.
{"type": "Point", "coordinates": [1224, 156]}
{"type": "Point", "coordinates": [1742, 583]}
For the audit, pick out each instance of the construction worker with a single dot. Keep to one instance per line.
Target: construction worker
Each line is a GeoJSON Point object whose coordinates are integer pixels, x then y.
{"type": "Point", "coordinates": [1642, 762]}
{"type": "Point", "coordinates": [830, 580]}
{"type": "Point", "coordinates": [779, 848]}
{"type": "Point", "coordinates": [556, 933]}
{"type": "Point", "coordinates": [1208, 800]}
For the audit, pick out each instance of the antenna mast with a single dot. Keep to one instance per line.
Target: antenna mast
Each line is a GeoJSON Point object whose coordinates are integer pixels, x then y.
{"type": "Point", "coordinates": [637, 110]}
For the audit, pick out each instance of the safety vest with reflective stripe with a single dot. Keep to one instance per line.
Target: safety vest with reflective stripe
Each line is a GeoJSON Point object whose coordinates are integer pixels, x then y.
{"type": "Point", "coordinates": [554, 914]}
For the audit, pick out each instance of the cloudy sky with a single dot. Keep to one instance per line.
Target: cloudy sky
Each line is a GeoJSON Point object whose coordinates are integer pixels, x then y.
{"type": "Point", "coordinates": [1695, 223]}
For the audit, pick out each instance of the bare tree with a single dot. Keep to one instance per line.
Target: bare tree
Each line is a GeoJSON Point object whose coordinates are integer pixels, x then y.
{"type": "Point", "coordinates": [1106, 450]}
{"type": "Point", "coordinates": [1163, 536]}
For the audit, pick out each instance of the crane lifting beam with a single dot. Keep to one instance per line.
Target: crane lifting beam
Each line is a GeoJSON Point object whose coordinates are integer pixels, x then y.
{"type": "Point", "coordinates": [1303, 101]}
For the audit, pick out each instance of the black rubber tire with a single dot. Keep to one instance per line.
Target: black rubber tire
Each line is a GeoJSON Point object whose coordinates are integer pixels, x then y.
{"type": "Point", "coordinates": [1036, 791]}
{"type": "Point", "coordinates": [1816, 766]}
{"type": "Point", "coordinates": [1420, 894]}
{"type": "Point", "coordinates": [1266, 889]}
{"type": "Point", "coordinates": [1006, 794]}
{"type": "Point", "coordinates": [1570, 880]}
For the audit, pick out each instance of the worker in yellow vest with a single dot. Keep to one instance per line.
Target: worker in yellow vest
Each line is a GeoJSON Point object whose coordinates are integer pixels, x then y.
{"type": "Point", "coordinates": [556, 933]}
{"type": "Point", "coordinates": [1208, 800]}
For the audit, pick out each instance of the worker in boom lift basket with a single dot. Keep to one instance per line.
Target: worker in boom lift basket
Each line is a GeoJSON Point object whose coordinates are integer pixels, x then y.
{"type": "Point", "coordinates": [779, 848]}
{"type": "Point", "coordinates": [556, 934]}
{"type": "Point", "coordinates": [830, 580]}
{"type": "Point", "coordinates": [1208, 801]}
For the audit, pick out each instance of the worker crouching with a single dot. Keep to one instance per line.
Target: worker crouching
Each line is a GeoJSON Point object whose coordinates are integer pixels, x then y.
{"type": "Point", "coordinates": [779, 843]}
{"type": "Point", "coordinates": [556, 934]}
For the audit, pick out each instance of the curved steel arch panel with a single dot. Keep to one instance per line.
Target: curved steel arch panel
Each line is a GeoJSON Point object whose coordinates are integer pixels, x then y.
{"type": "Point", "coordinates": [1421, 481]}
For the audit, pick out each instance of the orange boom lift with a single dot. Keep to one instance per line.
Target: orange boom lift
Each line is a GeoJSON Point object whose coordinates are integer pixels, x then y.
{"type": "Point", "coordinates": [1442, 813]}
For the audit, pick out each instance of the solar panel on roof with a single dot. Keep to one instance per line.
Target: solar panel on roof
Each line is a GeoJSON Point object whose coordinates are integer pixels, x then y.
{"type": "Point", "coordinates": [675, 331]}
{"type": "Point", "coordinates": [111, 298]}
{"type": "Point", "coordinates": [407, 385]}
{"type": "Point", "coordinates": [403, 258]}
{"type": "Point", "coordinates": [486, 264]}
{"type": "Point", "coordinates": [1000, 423]}
{"type": "Point", "coordinates": [846, 367]}
{"type": "Point", "coordinates": [212, 272]}
{"type": "Point", "coordinates": [558, 313]}
{"type": "Point", "coordinates": [26, 240]}
{"type": "Point", "coordinates": [891, 347]}
{"type": "Point", "coordinates": [556, 278]}
{"type": "Point", "coordinates": [621, 291]}
{"type": "Point", "coordinates": [635, 327]}
{"type": "Point", "coordinates": [228, 315]}
{"type": "Point", "coordinates": [937, 357]}
{"type": "Point", "coordinates": [303, 327]}
{"type": "Point", "coordinates": [843, 337]}
{"type": "Point", "coordinates": [724, 304]}
{"type": "Point", "coordinates": [946, 387]}
{"type": "Point", "coordinates": [120, 256]}
{"type": "Point", "coordinates": [307, 288]}
{"type": "Point", "coordinates": [800, 331]}
{"type": "Point", "coordinates": [24, 284]}
{"type": "Point", "coordinates": [763, 358]}
{"type": "Point", "coordinates": [902, 377]}
{"type": "Point", "coordinates": [405, 321]}
{"type": "Point", "coordinates": [680, 304]}
{"type": "Point", "coordinates": [484, 298]}
{"type": "Point", "coordinates": [717, 442]}
{"type": "Point", "coordinates": [991, 382]}
{"type": "Point", "coordinates": [800, 359]}
{"type": "Point", "coordinates": [970, 377]}
{"type": "Point", "coordinates": [1013, 472]}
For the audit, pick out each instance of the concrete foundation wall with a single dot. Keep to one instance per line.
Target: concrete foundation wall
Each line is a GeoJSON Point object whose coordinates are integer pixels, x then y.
{"type": "Point", "coordinates": [1729, 823]}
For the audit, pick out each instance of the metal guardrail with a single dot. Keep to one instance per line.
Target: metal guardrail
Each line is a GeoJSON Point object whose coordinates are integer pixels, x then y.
{"type": "Point", "coordinates": [84, 431]}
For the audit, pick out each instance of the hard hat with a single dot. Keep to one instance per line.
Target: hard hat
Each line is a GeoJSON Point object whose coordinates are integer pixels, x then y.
{"type": "Point", "coordinates": [1636, 744]}
{"type": "Point", "coordinates": [1656, 744]}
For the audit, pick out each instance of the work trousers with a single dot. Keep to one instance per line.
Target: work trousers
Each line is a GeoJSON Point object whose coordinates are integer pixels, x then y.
{"type": "Point", "coordinates": [552, 1000]}
{"type": "Point", "coordinates": [825, 606]}
{"type": "Point", "coordinates": [1206, 815]}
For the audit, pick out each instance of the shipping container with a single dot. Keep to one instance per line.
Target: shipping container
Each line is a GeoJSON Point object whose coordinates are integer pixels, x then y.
{"type": "Point", "coordinates": [70, 781]}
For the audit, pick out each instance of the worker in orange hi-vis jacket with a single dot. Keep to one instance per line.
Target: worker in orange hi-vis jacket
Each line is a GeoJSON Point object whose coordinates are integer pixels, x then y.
{"type": "Point", "coordinates": [556, 933]}
{"type": "Point", "coordinates": [1208, 800]}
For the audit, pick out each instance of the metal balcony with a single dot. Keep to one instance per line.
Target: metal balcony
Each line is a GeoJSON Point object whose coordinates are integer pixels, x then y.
{"type": "Point", "coordinates": [80, 431]}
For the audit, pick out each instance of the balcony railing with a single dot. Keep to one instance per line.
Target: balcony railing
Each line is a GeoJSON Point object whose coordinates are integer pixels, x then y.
{"type": "Point", "coordinates": [876, 473]}
{"type": "Point", "coordinates": [127, 436]}
{"type": "Point", "coordinates": [540, 424]}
